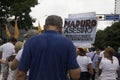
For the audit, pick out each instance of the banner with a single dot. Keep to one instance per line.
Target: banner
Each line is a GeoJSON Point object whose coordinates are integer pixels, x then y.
{"type": "Point", "coordinates": [81, 31]}
{"type": "Point", "coordinates": [39, 28]}
{"type": "Point", "coordinates": [82, 15]}
{"type": "Point", "coordinates": [7, 31]}
{"type": "Point", "coordinates": [16, 31]}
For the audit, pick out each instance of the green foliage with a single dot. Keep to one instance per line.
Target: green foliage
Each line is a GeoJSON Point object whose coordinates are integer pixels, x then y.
{"type": "Point", "coordinates": [99, 40]}
{"type": "Point", "coordinates": [109, 37]}
{"type": "Point", "coordinates": [18, 8]}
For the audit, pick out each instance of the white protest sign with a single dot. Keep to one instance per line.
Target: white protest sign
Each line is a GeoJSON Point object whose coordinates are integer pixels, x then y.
{"type": "Point", "coordinates": [81, 31]}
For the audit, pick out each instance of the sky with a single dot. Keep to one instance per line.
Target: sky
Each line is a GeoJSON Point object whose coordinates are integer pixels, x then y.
{"type": "Point", "coordinates": [65, 7]}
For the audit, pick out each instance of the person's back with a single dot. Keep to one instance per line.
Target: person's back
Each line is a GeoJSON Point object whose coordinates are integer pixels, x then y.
{"type": "Point", "coordinates": [85, 64]}
{"type": "Point", "coordinates": [7, 50]}
{"type": "Point", "coordinates": [109, 65]}
{"type": "Point", "coordinates": [49, 56]}
{"type": "Point", "coordinates": [12, 73]}
{"type": "Point", "coordinates": [94, 57]}
{"type": "Point", "coordinates": [109, 69]}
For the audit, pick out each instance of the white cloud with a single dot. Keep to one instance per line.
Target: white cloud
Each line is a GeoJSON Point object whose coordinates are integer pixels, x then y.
{"type": "Point", "coordinates": [65, 7]}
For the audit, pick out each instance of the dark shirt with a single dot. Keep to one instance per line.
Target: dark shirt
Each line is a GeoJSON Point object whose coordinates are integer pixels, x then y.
{"type": "Point", "coordinates": [118, 56]}
{"type": "Point", "coordinates": [48, 56]}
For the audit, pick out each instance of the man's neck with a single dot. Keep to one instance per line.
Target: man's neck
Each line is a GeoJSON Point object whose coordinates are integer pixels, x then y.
{"type": "Point", "coordinates": [52, 28]}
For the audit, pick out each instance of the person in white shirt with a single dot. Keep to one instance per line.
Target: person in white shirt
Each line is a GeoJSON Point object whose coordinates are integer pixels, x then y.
{"type": "Point", "coordinates": [7, 50]}
{"type": "Point", "coordinates": [101, 55]}
{"type": "Point", "coordinates": [16, 61]}
{"type": "Point", "coordinates": [94, 57]}
{"type": "Point", "coordinates": [12, 73]}
{"type": "Point", "coordinates": [85, 64]}
{"type": "Point", "coordinates": [109, 65]}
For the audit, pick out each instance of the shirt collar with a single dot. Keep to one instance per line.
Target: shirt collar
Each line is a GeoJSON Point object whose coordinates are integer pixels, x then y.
{"type": "Point", "coordinates": [51, 31]}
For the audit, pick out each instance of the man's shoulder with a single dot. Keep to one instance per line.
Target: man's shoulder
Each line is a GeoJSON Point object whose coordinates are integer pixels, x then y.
{"type": "Point", "coordinates": [115, 58]}
{"type": "Point", "coordinates": [90, 53]}
{"type": "Point", "coordinates": [64, 38]}
{"type": "Point", "coordinates": [20, 51]}
{"type": "Point", "coordinates": [18, 56]}
{"type": "Point", "coordinates": [4, 44]}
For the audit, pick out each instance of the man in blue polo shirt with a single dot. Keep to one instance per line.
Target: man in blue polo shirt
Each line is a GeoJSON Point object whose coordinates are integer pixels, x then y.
{"type": "Point", "coordinates": [49, 56]}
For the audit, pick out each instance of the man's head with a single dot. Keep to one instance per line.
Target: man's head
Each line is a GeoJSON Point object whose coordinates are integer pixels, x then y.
{"type": "Point", "coordinates": [13, 40]}
{"type": "Point", "coordinates": [18, 46]}
{"type": "Point", "coordinates": [92, 48]}
{"type": "Point", "coordinates": [109, 52]}
{"type": "Point", "coordinates": [30, 33]}
{"type": "Point", "coordinates": [53, 22]}
{"type": "Point", "coordinates": [82, 51]}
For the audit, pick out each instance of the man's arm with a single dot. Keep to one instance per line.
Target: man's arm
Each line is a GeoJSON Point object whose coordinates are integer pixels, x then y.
{"type": "Point", "coordinates": [72, 65]}
{"type": "Point", "coordinates": [99, 60]}
{"type": "Point", "coordinates": [100, 67]}
{"type": "Point", "coordinates": [3, 61]}
{"type": "Point", "coordinates": [99, 72]}
{"type": "Point", "coordinates": [75, 73]}
{"type": "Point", "coordinates": [90, 68]}
{"type": "Point", "coordinates": [21, 75]}
{"type": "Point", "coordinates": [14, 64]}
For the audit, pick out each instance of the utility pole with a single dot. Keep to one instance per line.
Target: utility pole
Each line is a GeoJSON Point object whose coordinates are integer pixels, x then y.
{"type": "Point", "coordinates": [117, 7]}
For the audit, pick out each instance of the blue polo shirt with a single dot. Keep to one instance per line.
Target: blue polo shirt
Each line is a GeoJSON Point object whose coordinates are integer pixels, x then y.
{"type": "Point", "coordinates": [48, 57]}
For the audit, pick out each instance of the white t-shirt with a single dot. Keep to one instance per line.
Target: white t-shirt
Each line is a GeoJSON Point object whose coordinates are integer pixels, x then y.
{"type": "Point", "coordinates": [109, 69]}
{"type": "Point", "coordinates": [101, 54]}
{"type": "Point", "coordinates": [83, 62]}
{"type": "Point", "coordinates": [18, 57]}
{"type": "Point", "coordinates": [12, 73]}
{"type": "Point", "coordinates": [7, 50]}
{"type": "Point", "coordinates": [19, 54]}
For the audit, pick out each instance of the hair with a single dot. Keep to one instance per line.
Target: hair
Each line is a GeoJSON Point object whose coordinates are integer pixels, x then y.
{"type": "Point", "coordinates": [18, 46]}
{"type": "Point", "coordinates": [82, 51]}
{"type": "Point", "coordinates": [110, 51]}
{"type": "Point", "coordinates": [54, 20]}
{"type": "Point", "coordinates": [30, 33]}
{"type": "Point", "coordinates": [12, 39]}
{"type": "Point", "coordinates": [92, 48]}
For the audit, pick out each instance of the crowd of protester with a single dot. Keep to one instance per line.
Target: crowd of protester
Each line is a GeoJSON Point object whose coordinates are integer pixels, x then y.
{"type": "Point", "coordinates": [50, 56]}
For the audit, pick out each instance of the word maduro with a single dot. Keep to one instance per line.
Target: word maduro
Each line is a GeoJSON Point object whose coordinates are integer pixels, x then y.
{"type": "Point", "coordinates": [79, 26]}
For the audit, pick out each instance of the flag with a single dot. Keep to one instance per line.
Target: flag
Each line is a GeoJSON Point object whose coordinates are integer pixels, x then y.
{"type": "Point", "coordinates": [39, 28]}
{"type": "Point", "coordinates": [7, 31]}
{"type": "Point", "coordinates": [16, 31]}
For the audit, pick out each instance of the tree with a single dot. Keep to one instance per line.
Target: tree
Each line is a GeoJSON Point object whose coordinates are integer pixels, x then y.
{"type": "Point", "coordinates": [112, 36]}
{"type": "Point", "coordinates": [109, 37]}
{"type": "Point", "coordinates": [18, 8]}
{"type": "Point", "coordinates": [3, 16]}
{"type": "Point", "coordinates": [99, 40]}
